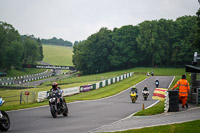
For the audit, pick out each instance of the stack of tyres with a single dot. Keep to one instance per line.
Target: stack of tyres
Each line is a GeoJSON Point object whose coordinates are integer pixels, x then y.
{"type": "Point", "coordinates": [173, 101]}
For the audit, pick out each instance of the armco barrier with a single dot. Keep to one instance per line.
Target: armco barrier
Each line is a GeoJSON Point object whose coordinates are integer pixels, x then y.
{"type": "Point", "coordinates": [70, 91]}
{"type": "Point", "coordinates": [41, 96]}
{"type": "Point", "coordinates": [85, 88]}
{"type": "Point", "coordinates": [66, 92]}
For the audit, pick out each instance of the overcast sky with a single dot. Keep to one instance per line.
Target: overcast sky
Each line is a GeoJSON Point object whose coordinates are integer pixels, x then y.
{"type": "Point", "coordinates": [77, 19]}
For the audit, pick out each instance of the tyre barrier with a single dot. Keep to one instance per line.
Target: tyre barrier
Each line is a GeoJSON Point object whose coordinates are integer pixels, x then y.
{"type": "Point", "coordinates": [172, 101]}
{"type": "Point", "coordinates": [166, 108]}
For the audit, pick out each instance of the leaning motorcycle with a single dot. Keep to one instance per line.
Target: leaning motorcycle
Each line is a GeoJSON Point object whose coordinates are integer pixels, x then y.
{"type": "Point", "coordinates": [145, 94]}
{"type": "Point", "coordinates": [133, 96]}
{"type": "Point", "coordinates": [57, 103]}
{"type": "Point", "coordinates": [4, 118]}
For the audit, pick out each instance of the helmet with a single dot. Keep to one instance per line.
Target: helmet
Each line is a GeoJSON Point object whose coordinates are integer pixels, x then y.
{"type": "Point", "coordinates": [54, 85]}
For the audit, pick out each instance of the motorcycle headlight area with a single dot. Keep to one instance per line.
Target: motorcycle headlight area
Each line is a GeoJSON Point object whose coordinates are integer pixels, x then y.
{"type": "Point", "coordinates": [52, 99]}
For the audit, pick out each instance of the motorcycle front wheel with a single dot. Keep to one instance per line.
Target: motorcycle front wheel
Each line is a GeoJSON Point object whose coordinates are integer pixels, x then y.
{"type": "Point", "coordinates": [133, 99]}
{"type": "Point", "coordinates": [53, 111]}
{"type": "Point", "coordinates": [145, 98]}
{"type": "Point", "coordinates": [4, 122]}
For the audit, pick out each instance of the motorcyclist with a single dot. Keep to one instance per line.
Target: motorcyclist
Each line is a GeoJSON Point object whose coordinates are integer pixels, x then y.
{"type": "Point", "coordinates": [56, 88]}
{"type": "Point", "coordinates": [148, 74]}
{"type": "Point", "coordinates": [157, 83]}
{"type": "Point", "coordinates": [145, 92]}
{"type": "Point", "coordinates": [134, 89]}
{"type": "Point", "coordinates": [145, 89]}
{"type": "Point", "coordinates": [152, 73]}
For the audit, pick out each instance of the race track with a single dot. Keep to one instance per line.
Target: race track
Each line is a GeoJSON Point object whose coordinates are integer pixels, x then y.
{"type": "Point", "coordinates": [84, 116]}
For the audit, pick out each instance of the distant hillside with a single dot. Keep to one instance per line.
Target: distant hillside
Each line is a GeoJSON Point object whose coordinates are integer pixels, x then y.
{"type": "Point", "coordinates": [55, 41]}
{"type": "Point", "coordinates": [58, 55]}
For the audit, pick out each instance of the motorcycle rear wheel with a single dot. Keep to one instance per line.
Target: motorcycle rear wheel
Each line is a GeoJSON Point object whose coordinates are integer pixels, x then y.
{"type": "Point", "coordinates": [5, 125]}
{"type": "Point", "coordinates": [65, 113]}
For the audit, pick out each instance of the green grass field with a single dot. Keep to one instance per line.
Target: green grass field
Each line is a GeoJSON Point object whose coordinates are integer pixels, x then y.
{"type": "Point", "coordinates": [58, 55]}
{"type": "Point", "coordinates": [14, 73]}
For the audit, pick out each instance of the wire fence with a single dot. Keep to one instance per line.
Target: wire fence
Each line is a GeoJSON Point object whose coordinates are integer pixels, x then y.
{"type": "Point", "coordinates": [24, 97]}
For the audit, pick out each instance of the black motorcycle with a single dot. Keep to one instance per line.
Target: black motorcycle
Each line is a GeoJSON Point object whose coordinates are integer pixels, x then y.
{"type": "Point", "coordinates": [157, 83]}
{"type": "Point", "coordinates": [57, 103]}
{"type": "Point", "coordinates": [4, 118]}
{"type": "Point", "coordinates": [152, 73]}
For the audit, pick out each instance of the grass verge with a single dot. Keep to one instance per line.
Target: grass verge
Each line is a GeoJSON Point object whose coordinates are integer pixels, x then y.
{"type": "Point", "coordinates": [185, 127]}
{"type": "Point", "coordinates": [156, 109]}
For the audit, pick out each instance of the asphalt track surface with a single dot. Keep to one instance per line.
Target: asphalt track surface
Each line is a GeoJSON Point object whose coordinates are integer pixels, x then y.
{"type": "Point", "coordinates": [84, 116]}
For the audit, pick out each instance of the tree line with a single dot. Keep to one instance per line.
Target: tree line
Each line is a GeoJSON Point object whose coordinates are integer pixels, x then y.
{"type": "Point", "coordinates": [55, 41]}
{"type": "Point", "coordinates": [156, 43]}
{"type": "Point", "coordinates": [16, 50]}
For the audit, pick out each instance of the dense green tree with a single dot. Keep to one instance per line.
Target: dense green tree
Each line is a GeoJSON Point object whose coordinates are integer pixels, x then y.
{"type": "Point", "coordinates": [197, 37]}
{"type": "Point", "coordinates": [9, 46]}
{"type": "Point", "coordinates": [75, 43]}
{"type": "Point", "coordinates": [125, 52]}
{"type": "Point", "coordinates": [55, 41]}
{"type": "Point", "coordinates": [95, 51]}
{"type": "Point", "coordinates": [155, 40]}
{"type": "Point", "coordinates": [41, 56]}
{"type": "Point", "coordinates": [12, 56]}
{"type": "Point", "coordinates": [182, 48]}
{"type": "Point", "coordinates": [151, 43]}
{"type": "Point", "coordinates": [31, 51]}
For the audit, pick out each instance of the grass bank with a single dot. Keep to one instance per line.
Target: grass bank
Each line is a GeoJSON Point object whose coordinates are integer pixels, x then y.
{"type": "Point", "coordinates": [186, 127]}
{"type": "Point", "coordinates": [14, 73]}
{"type": "Point", "coordinates": [58, 55]}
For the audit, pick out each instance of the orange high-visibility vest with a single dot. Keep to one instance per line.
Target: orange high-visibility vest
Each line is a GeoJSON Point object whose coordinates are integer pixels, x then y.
{"type": "Point", "coordinates": [183, 87]}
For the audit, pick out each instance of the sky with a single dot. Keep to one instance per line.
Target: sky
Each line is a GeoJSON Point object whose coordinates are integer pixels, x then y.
{"type": "Point", "coordinates": [76, 20]}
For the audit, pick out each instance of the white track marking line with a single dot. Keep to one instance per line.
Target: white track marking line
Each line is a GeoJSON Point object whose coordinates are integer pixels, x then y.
{"type": "Point", "coordinates": [171, 82]}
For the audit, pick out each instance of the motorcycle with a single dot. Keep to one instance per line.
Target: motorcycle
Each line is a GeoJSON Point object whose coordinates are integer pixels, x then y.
{"type": "Point", "coordinates": [133, 96]}
{"type": "Point", "coordinates": [145, 94]}
{"type": "Point", "coordinates": [4, 118]}
{"type": "Point", "coordinates": [148, 74]}
{"type": "Point", "coordinates": [157, 83]}
{"type": "Point", "coordinates": [152, 73]}
{"type": "Point", "coordinates": [57, 103]}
